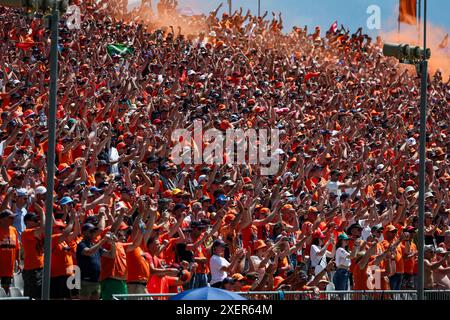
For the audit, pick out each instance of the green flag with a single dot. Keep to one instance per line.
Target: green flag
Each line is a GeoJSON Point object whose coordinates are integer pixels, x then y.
{"type": "Point", "coordinates": [119, 49]}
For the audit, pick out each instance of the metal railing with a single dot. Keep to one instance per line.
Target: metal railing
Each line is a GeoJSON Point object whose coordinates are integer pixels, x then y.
{"type": "Point", "coordinates": [310, 295]}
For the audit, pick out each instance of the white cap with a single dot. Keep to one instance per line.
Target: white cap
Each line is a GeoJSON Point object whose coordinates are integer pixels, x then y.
{"type": "Point", "coordinates": [278, 151]}
{"type": "Point", "coordinates": [120, 205]}
{"type": "Point", "coordinates": [40, 190]}
{"type": "Point", "coordinates": [229, 183]}
{"type": "Point", "coordinates": [410, 189]}
{"type": "Point", "coordinates": [380, 167]}
{"type": "Point", "coordinates": [440, 250]}
{"type": "Point", "coordinates": [212, 34]}
{"type": "Point", "coordinates": [22, 192]}
{"type": "Point", "coordinates": [191, 72]}
{"type": "Point", "coordinates": [411, 141]}
{"type": "Point", "coordinates": [288, 194]}
{"type": "Point", "coordinates": [202, 177]}
{"type": "Point", "coordinates": [428, 194]}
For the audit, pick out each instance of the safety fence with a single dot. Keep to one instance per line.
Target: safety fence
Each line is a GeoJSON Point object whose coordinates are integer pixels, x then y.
{"type": "Point", "coordinates": [311, 295]}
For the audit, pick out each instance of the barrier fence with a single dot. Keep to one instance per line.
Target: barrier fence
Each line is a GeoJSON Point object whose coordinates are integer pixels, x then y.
{"type": "Point", "coordinates": [310, 295]}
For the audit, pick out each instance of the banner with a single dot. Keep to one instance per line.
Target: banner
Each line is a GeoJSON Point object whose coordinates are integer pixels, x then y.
{"type": "Point", "coordinates": [408, 11]}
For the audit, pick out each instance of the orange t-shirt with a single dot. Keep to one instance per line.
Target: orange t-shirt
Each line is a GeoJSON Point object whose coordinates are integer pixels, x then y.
{"type": "Point", "coordinates": [61, 257]}
{"type": "Point", "coordinates": [409, 263]}
{"type": "Point", "coordinates": [138, 266]}
{"type": "Point", "coordinates": [399, 263]}
{"type": "Point", "coordinates": [9, 247]}
{"type": "Point", "coordinates": [360, 277]}
{"type": "Point", "coordinates": [169, 252]}
{"type": "Point", "coordinates": [157, 284]}
{"type": "Point", "coordinates": [115, 268]}
{"type": "Point", "coordinates": [33, 250]}
{"type": "Point", "coordinates": [246, 234]}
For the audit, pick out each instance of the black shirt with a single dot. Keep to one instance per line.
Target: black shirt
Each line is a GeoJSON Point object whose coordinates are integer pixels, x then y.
{"type": "Point", "coordinates": [89, 265]}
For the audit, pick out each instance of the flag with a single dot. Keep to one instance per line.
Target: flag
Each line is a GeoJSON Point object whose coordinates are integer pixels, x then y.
{"type": "Point", "coordinates": [24, 45]}
{"type": "Point", "coordinates": [334, 27]}
{"type": "Point", "coordinates": [118, 49]}
{"type": "Point", "coordinates": [408, 11]}
{"type": "Point", "coordinates": [183, 77]}
{"type": "Point", "coordinates": [311, 75]}
{"type": "Point", "coordinates": [444, 43]}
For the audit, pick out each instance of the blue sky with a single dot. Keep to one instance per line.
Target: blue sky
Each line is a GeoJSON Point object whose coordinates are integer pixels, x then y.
{"type": "Point", "coordinates": [351, 13]}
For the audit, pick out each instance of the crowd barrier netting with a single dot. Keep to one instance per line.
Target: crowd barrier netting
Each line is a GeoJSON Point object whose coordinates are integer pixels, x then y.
{"type": "Point", "coordinates": [310, 295]}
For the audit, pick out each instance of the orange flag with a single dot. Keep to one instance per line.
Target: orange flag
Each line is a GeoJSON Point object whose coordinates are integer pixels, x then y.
{"type": "Point", "coordinates": [408, 11]}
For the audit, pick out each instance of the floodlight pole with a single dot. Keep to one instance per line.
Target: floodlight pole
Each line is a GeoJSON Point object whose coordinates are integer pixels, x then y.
{"type": "Point", "coordinates": [259, 8]}
{"type": "Point", "coordinates": [422, 156]}
{"type": "Point", "coordinates": [53, 21]}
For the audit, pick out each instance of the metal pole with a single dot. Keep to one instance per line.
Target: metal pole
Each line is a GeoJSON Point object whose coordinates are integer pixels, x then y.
{"type": "Point", "coordinates": [51, 151]}
{"type": "Point", "coordinates": [423, 122]}
{"type": "Point", "coordinates": [229, 7]}
{"type": "Point", "coordinates": [419, 24]}
{"type": "Point", "coordinates": [259, 8]}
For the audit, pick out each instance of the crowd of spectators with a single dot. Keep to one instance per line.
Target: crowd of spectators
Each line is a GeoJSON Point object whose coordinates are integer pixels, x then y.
{"type": "Point", "coordinates": [341, 213]}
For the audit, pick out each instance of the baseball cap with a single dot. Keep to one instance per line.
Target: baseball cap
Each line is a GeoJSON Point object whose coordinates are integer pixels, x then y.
{"type": "Point", "coordinates": [429, 248]}
{"type": "Point", "coordinates": [343, 236]}
{"type": "Point", "coordinates": [6, 214]}
{"type": "Point", "coordinates": [260, 244]}
{"type": "Point", "coordinates": [428, 195]}
{"type": "Point", "coordinates": [390, 228]}
{"type": "Point", "coordinates": [95, 189]}
{"type": "Point", "coordinates": [88, 227]}
{"type": "Point", "coordinates": [120, 205]}
{"type": "Point", "coordinates": [318, 234]}
{"type": "Point", "coordinates": [179, 206]}
{"type": "Point", "coordinates": [409, 229]}
{"type": "Point", "coordinates": [219, 243]}
{"type": "Point", "coordinates": [222, 198]}
{"type": "Point", "coordinates": [229, 183]}
{"type": "Point", "coordinates": [377, 228]}
{"type": "Point", "coordinates": [356, 225]}
{"type": "Point", "coordinates": [62, 167]}
{"type": "Point", "coordinates": [247, 180]}
{"type": "Point", "coordinates": [31, 217]}
{"type": "Point", "coordinates": [176, 191]}
{"type": "Point", "coordinates": [228, 280]}
{"type": "Point", "coordinates": [238, 277]}
{"type": "Point", "coordinates": [22, 192]}
{"type": "Point", "coordinates": [40, 190]}
{"type": "Point", "coordinates": [411, 141]}
{"type": "Point", "coordinates": [127, 190]}
{"type": "Point", "coordinates": [440, 250]}
{"type": "Point", "coordinates": [65, 200]}
{"type": "Point", "coordinates": [447, 233]}
{"type": "Point", "coordinates": [204, 199]}
{"type": "Point", "coordinates": [410, 189]}
{"type": "Point", "coordinates": [197, 224]}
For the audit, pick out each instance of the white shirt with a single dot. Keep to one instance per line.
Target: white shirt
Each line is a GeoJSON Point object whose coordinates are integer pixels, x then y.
{"type": "Point", "coordinates": [318, 262]}
{"type": "Point", "coordinates": [2, 147]}
{"type": "Point", "coordinates": [114, 156]}
{"type": "Point", "coordinates": [333, 187]}
{"type": "Point", "coordinates": [342, 257]}
{"type": "Point", "coordinates": [256, 262]}
{"type": "Point", "coordinates": [216, 263]}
